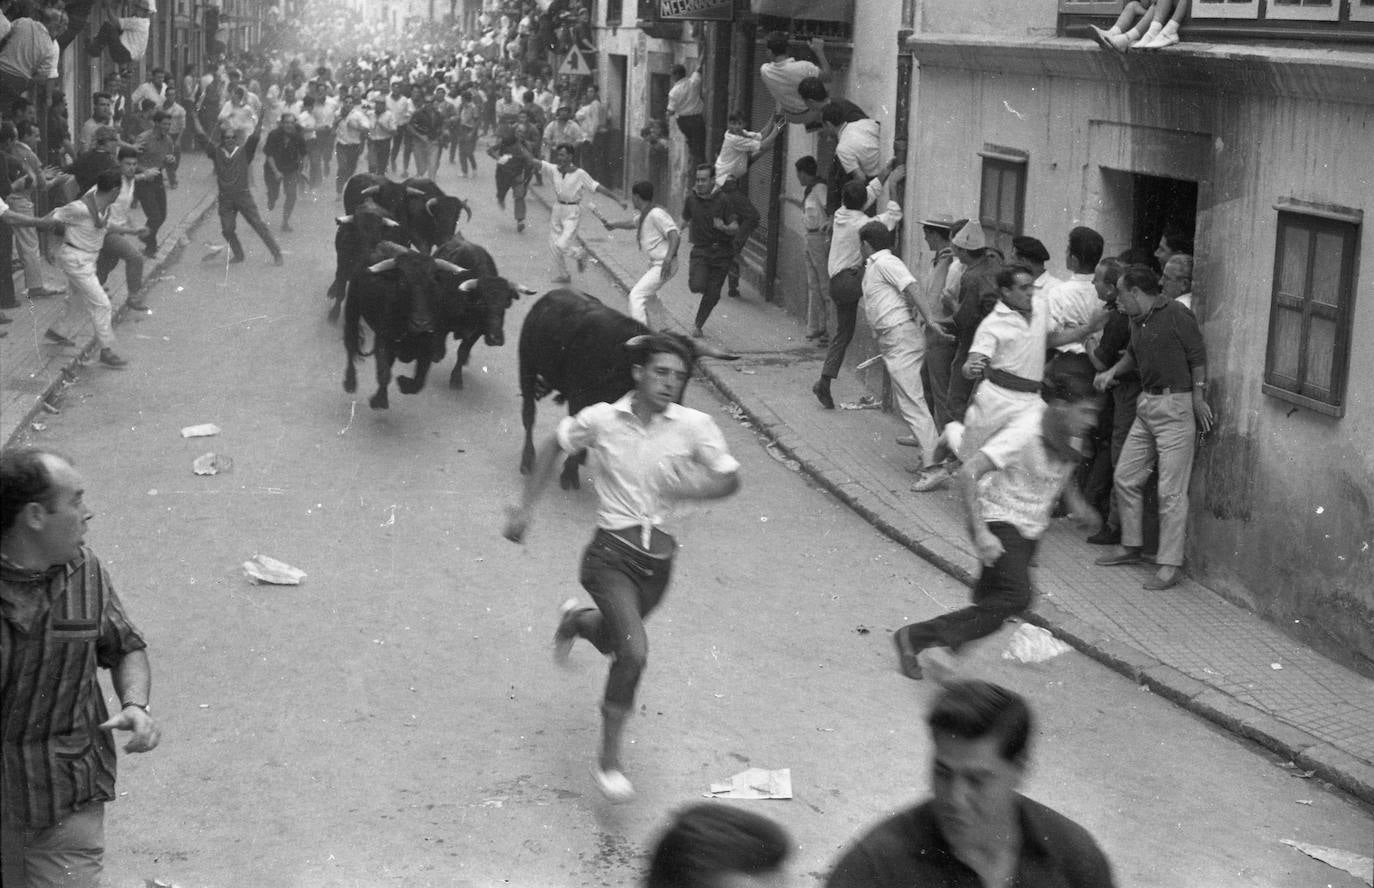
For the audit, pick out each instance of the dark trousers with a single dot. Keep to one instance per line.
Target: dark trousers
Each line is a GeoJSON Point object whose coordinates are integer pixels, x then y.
{"type": "Point", "coordinates": [960, 387]}
{"type": "Point", "coordinates": [515, 178]}
{"type": "Point", "coordinates": [231, 204]}
{"type": "Point", "coordinates": [706, 272]}
{"type": "Point", "coordinates": [378, 153]}
{"type": "Point", "coordinates": [847, 284]}
{"type": "Point", "coordinates": [278, 183]}
{"type": "Point", "coordinates": [1003, 590]}
{"type": "Point", "coordinates": [348, 163]}
{"type": "Point", "coordinates": [7, 297]}
{"type": "Point", "coordinates": [626, 585]}
{"type": "Point", "coordinates": [152, 197]}
{"type": "Point", "coordinates": [399, 141]}
{"type": "Point", "coordinates": [693, 128]}
{"type": "Point", "coordinates": [938, 366]}
{"type": "Point", "coordinates": [115, 248]}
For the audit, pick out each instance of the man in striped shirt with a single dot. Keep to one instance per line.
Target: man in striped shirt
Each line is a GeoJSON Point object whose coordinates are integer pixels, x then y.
{"type": "Point", "coordinates": [60, 620]}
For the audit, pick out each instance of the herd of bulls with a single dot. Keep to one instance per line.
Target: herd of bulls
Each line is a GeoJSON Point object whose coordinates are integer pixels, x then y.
{"type": "Point", "coordinates": [403, 267]}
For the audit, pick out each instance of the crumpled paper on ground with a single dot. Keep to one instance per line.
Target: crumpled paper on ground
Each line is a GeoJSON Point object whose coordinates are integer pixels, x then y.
{"type": "Point", "coordinates": [211, 464]}
{"type": "Point", "coordinates": [755, 783]}
{"type": "Point", "coordinates": [1357, 865]}
{"type": "Point", "coordinates": [204, 430]}
{"type": "Point", "coordinates": [262, 569]}
{"type": "Point", "coordinates": [1031, 644]}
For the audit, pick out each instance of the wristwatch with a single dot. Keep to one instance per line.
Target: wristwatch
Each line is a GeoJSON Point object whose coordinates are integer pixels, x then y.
{"type": "Point", "coordinates": [143, 706]}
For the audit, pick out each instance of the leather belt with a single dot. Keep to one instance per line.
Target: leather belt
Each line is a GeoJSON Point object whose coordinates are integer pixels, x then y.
{"type": "Point", "coordinates": [78, 249]}
{"type": "Point", "coordinates": [1010, 381]}
{"type": "Point", "coordinates": [1166, 390]}
{"type": "Point", "coordinates": [571, 203]}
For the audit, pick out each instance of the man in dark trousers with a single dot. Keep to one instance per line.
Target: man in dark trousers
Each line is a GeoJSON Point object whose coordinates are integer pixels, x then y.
{"type": "Point", "coordinates": [231, 161]}
{"type": "Point", "coordinates": [285, 152]}
{"type": "Point", "coordinates": [710, 219]}
{"type": "Point", "coordinates": [977, 828]}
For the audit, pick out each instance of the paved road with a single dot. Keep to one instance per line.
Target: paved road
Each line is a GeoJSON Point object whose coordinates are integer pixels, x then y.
{"type": "Point", "coordinates": [397, 720]}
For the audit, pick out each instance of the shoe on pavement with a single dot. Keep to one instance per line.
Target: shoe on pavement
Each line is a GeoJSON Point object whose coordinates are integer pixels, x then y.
{"type": "Point", "coordinates": [823, 395]}
{"type": "Point", "coordinates": [907, 441]}
{"type": "Point", "coordinates": [566, 633]}
{"type": "Point", "coordinates": [234, 260]}
{"type": "Point", "coordinates": [1155, 584]}
{"type": "Point", "coordinates": [1117, 559]}
{"type": "Point", "coordinates": [136, 305]}
{"type": "Point", "coordinates": [109, 359]}
{"type": "Point", "coordinates": [519, 225]}
{"type": "Point", "coordinates": [614, 785]}
{"type": "Point", "coordinates": [908, 662]}
{"type": "Point", "coordinates": [44, 292]}
{"type": "Point", "coordinates": [1107, 536]}
{"type": "Point", "coordinates": [931, 480]}
{"type": "Point", "coordinates": [53, 336]}
{"type": "Point", "coordinates": [278, 260]}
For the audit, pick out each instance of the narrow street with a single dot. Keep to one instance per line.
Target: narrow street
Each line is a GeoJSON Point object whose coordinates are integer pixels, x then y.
{"type": "Point", "coordinates": [397, 720]}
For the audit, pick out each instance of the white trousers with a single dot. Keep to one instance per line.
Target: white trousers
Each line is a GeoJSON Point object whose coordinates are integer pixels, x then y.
{"type": "Point", "coordinates": [645, 288]}
{"type": "Point", "coordinates": [904, 350]}
{"type": "Point", "coordinates": [563, 236]}
{"type": "Point", "coordinates": [990, 410]}
{"type": "Point", "coordinates": [84, 294]}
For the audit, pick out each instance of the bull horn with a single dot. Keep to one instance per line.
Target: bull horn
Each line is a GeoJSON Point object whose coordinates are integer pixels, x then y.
{"type": "Point", "coordinates": [343, 220]}
{"type": "Point", "coordinates": [414, 191]}
{"type": "Point", "coordinates": [464, 208]}
{"type": "Point", "coordinates": [469, 285]}
{"type": "Point", "coordinates": [445, 265]}
{"type": "Point", "coordinates": [429, 204]}
{"type": "Point", "coordinates": [369, 191]}
{"type": "Point", "coordinates": [525, 291]}
{"type": "Point", "coordinates": [384, 265]}
{"type": "Point", "coordinates": [637, 341]}
{"type": "Point", "coordinates": [392, 223]}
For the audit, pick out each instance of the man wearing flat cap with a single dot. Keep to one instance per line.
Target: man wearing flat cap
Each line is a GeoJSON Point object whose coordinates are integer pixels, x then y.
{"type": "Point", "coordinates": [1031, 253]}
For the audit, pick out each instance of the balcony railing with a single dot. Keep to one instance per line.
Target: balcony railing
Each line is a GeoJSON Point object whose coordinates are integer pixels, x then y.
{"type": "Point", "coordinates": [1245, 21]}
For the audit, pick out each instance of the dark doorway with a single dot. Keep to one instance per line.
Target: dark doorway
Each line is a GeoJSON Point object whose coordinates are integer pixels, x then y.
{"type": "Point", "coordinates": [613, 141]}
{"type": "Point", "coordinates": [659, 85]}
{"type": "Point", "coordinates": [1159, 203]}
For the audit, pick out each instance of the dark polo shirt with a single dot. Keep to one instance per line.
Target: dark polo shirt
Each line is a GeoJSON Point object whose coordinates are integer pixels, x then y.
{"type": "Point", "coordinates": [907, 850]}
{"type": "Point", "coordinates": [1167, 344]}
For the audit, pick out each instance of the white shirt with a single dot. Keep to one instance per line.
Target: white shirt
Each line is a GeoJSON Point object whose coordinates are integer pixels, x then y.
{"type": "Point", "coordinates": [1072, 303]}
{"type": "Point", "coordinates": [123, 205]}
{"type": "Point", "coordinates": [82, 232]}
{"type": "Point", "coordinates": [885, 277]}
{"type": "Point", "coordinates": [844, 230]}
{"type": "Point", "coordinates": [783, 76]}
{"type": "Point", "coordinates": [653, 234]}
{"type": "Point", "coordinates": [634, 460]}
{"type": "Point", "coordinates": [1013, 343]}
{"type": "Point", "coordinates": [570, 188]}
{"type": "Point", "coordinates": [735, 151]}
{"type": "Point", "coordinates": [401, 109]}
{"type": "Point", "coordinates": [1186, 300]}
{"type": "Point", "coordinates": [858, 147]}
{"type": "Point", "coordinates": [148, 90]}
{"type": "Point", "coordinates": [684, 99]}
{"type": "Point", "coordinates": [1028, 479]}
{"type": "Point", "coordinates": [814, 216]}
{"type": "Point", "coordinates": [591, 117]}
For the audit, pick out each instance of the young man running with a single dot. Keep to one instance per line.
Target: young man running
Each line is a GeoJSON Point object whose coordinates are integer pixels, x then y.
{"type": "Point", "coordinates": [658, 237]}
{"type": "Point", "coordinates": [650, 451]}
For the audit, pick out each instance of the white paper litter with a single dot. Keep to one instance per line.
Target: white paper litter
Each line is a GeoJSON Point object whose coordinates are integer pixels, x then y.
{"type": "Point", "coordinates": [204, 430]}
{"type": "Point", "coordinates": [262, 569]}
{"type": "Point", "coordinates": [1031, 644]}
{"type": "Point", "coordinates": [211, 464]}
{"type": "Point", "coordinates": [755, 783]}
{"type": "Point", "coordinates": [1357, 865]}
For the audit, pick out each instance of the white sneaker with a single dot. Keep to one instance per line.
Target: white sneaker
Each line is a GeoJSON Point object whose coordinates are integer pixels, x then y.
{"type": "Point", "coordinates": [1162, 40]}
{"type": "Point", "coordinates": [614, 785]}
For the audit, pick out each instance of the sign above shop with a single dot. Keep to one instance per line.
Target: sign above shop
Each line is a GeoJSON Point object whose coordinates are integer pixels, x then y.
{"type": "Point", "coordinates": [695, 10]}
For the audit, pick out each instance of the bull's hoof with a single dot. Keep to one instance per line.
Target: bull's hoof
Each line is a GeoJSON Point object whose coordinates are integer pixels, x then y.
{"type": "Point", "coordinates": [455, 379]}
{"type": "Point", "coordinates": [379, 401]}
{"type": "Point", "coordinates": [407, 385]}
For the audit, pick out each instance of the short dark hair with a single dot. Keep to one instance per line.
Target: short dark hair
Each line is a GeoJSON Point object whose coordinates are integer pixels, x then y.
{"type": "Point", "coordinates": [1137, 256]}
{"type": "Point", "coordinates": [735, 116]}
{"type": "Point", "coordinates": [126, 151]}
{"type": "Point", "coordinates": [109, 180]}
{"type": "Point", "coordinates": [1111, 270]}
{"type": "Point", "coordinates": [876, 235]}
{"type": "Point", "coordinates": [1178, 239]}
{"type": "Point", "coordinates": [974, 709]}
{"type": "Point", "coordinates": [854, 195]}
{"type": "Point", "coordinates": [643, 189]}
{"type": "Point", "coordinates": [678, 72]}
{"type": "Point", "coordinates": [832, 114]}
{"type": "Point", "coordinates": [96, 97]}
{"type": "Point", "coordinates": [22, 128]}
{"type": "Point", "coordinates": [777, 42]}
{"type": "Point", "coordinates": [24, 479]}
{"type": "Point", "coordinates": [1007, 276]}
{"type": "Point", "coordinates": [704, 166]}
{"type": "Point", "coordinates": [566, 146]}
{"type": "Point", "coordinates": [663, 344]}
{"type": "Point", "coordinates": [1085, 245]}
{"type": "Point", "coordinates": [813, 88]}
{"type": "Point", "coordinates": [807, 165]}
{"type": "Point", "coordinates": [159, 116]}
{"type": "Point", "coordinates": [1140, 277]}
{"type": "Point", "coordinates": [707, 840]}
{"type": "Point", "coordinates": [8, 132]}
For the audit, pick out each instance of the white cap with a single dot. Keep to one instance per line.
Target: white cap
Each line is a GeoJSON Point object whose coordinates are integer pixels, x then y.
{"type": "Point", "coordinates": [970, 237]}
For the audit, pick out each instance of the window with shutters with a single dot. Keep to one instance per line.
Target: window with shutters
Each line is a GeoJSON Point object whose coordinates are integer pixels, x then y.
{"type": "Point", "coordinates": [1002, 202]}
{"type": "Point", "coordinates": [1312, 306]}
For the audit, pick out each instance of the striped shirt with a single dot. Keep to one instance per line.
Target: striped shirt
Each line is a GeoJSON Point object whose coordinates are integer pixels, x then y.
{"type": "Point", "coordinates": [59, 625]}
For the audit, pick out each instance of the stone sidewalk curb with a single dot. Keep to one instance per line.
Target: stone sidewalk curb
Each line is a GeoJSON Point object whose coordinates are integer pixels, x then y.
{"type": "Point", "coordinates": [1252, 723]}
{"type": "Point", "coordinates": [151, 270]}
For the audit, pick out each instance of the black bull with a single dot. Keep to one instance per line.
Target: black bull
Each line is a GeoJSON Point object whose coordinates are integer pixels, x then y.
{"type": "Point", "coordinates": [427, 215]}
{"type": "Point", "coordinates": [482, 313]}
{"type": "Point", "coordinates": [573, 345]}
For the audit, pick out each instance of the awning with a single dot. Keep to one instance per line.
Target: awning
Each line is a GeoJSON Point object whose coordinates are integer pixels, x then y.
{"type": "Point", "coordinates": [816, 10]}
